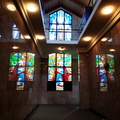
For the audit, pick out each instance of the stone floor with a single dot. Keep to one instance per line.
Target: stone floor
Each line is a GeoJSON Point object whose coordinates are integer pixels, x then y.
{"type": "Point", "coordinates": [63, 112]}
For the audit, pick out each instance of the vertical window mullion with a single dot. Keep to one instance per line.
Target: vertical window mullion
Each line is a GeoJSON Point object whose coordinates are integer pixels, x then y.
{"type": "Point", "coordinates": [64, 26]}
{"type": "Point", "coordinates": [56, 24]}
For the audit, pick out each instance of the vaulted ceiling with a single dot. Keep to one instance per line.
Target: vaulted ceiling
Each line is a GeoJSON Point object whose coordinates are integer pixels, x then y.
{"type": "Point", "coordinates": [33, 23]}
{"type": "Point", "coordinates": [74, 6]}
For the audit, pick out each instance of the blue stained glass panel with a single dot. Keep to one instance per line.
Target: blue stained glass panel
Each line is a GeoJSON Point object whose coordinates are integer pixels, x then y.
{"type": "Point", "coordinates": [59, 75]}
{"type": "Point", "coordinates": [52, 35]}
{"type": "Point", "coordinates": [52, 27]}
{"type": "Point", "coordinates": [21, 73]}
{"type": "Point", "coordinates": [14, 25]}
{"type": "Point", "coordinates": [53, 18]}
{"type": "Point", "coordinates": [60, 36]}
{"type": "Point", "coordinates": [60, 17]}
{"type": "Point", "coordinates": [15, 34]}
{"type": "Point", "coordinates": [60, 27]}
{"type": "Point", "coordinates": [68, 28]}
{"type": "Point", "coordinates": [67, 36]}
{"type": "Point", "coordinates": [68, 18]}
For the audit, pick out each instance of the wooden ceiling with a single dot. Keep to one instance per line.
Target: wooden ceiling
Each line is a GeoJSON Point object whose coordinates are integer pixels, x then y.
{"type": "Point", "coordinates": [74, 6]}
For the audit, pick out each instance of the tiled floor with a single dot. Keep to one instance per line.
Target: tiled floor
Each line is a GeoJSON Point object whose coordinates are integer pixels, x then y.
{"type": "Point", "coordinates": [62, 112]}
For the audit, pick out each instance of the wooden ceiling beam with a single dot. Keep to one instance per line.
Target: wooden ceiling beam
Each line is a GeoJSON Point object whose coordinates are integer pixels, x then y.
{"type": "Point", "coordinates": [78, 3]}
{"type": "Point", "coordinates": [64, 7]}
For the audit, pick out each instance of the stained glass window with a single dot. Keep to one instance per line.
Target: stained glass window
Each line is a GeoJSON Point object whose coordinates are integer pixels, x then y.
{"type": "Point", "coordinates": [21, 68]}
{"type": "Point", "coordinates": [78, 67]}
{"type": "Point", "coordinates": [59, 72]}
{"type": "Point", "coordinates": [60, 26]}
{"type": "Point", "coordinates": [15, 32]}
{"type": "Point", "coordinates": [105, 70]}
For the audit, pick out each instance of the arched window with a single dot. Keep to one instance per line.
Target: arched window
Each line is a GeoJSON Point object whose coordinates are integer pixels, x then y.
{"type": "Point", "coordinates": [59, 72]}
{"type": "Point", "coordinates": [60, 26]}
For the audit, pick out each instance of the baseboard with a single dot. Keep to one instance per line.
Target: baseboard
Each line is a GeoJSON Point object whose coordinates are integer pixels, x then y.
{"type": "Point", "coordinates": [102, 117]}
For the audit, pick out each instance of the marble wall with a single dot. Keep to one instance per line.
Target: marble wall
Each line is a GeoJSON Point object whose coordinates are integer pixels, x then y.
{"type": "Point", "coordinates": [105, 102]}
{"type": "Point", "coordinates": [16, 104]}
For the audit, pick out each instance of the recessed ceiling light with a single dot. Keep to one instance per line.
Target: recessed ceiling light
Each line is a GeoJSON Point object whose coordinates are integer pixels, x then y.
{"type": "Point", "coordinates": [11, 7]}
{"type": "Point", "coordinates": [107, 10]}
{"type": "Point", "coordinates": [111, 50]}
{"type": "Point", "coordinates": [61, 48]}
{"type": "Point", "coordinates": [15, 47]}
{"type": "Point", "coordinates": [41, 37]}
{"type": "Point", "coordinates": [88, 38]}
{"type": "Point", "coordinates": [27, 37]}
{"type": "Point", "coordinates": [104, 39]}
{"type": "Point", "coordinates": [31, 8]}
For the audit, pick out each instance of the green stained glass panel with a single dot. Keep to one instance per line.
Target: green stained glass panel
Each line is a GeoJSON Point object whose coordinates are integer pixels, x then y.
{"type": "Point", "coordinates": [97, 60]}
{"type": "Point", "coordinates": [67, 60]}
{"type": "Point", "coordinates": [78, 60]}
{"type": "Point", "coordinates": [30, 59]}
{"type": "Point", "coordinates": [51, 61]}
{"type": "Point", "coordinates": [110, 59]}
{"type": "Point", "coordinates": [14, 58]}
